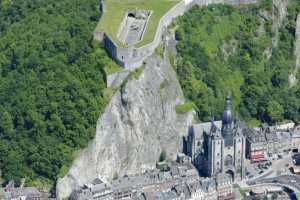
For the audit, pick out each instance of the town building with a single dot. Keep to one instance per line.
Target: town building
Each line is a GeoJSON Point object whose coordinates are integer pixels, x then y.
{"type": "Point", "coordinates": [10, 192]}
{"type": "Point", "coordinates": [180, 181]}
{"type": "Point", "coordinates": [224, 187]}
{"type": "Point", "coordinates": [256, 145]}
{"type": "Point", "coordinates": [219, 147]}
{"type": "Point", "coordinates": [268, 142]}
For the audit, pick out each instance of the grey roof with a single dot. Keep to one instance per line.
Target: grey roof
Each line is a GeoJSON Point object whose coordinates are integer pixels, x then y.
{"type": "Point", "coordinates": [194, 186]}
{"type": "Point", "coordinates": [223, 179]}
{"type": "Point", "coordinates": [97, 181]}
{"type": "Point", "coordinates": [254, 135]}
{"type": "Point", "coordinates": [283, 135]}
{"type": "Point", "coordinates": [27, 191]}
{"type": "Point", "coordinates": [198, 129]}
{"type": "Point", "coordinates": [208, 184]}
{"type": "Point", "coordinates": [159, 195]}
{"type": "Point", "coordinates": [271, 137]}
{"type": "Point", "coordinates": [128, 182]}
{"type": "Point", "coordinates": [165, 195]}
{"type": "Point", "coordinates": [183, 189]}
{"type": "Point", "coordinates": [100, 188]}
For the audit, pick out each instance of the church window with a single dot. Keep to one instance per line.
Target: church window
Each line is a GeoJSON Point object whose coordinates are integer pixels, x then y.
{"type": "Point", "coordinates": [228, 160]}
{"type": "Point", "coordinates": [199, 143]}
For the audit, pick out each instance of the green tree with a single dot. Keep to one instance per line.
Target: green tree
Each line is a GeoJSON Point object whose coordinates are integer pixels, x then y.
{"type": "Point", "coordinates": [275, 111]}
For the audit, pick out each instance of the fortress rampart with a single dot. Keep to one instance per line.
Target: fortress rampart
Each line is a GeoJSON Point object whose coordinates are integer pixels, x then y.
{"type": "Point", "coordinates": [131, 57]}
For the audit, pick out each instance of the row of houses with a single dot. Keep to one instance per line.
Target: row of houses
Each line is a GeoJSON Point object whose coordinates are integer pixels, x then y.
{"type": "Point", "coordinates": [10, 192]}
{"type": "Point", "coordinates": [179, 181]}
{"type": "Point", "coordinates": [268, 142]}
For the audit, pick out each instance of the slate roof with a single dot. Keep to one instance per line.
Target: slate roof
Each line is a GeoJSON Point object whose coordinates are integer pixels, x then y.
{"type": "Point", "coordinates": [198, 129]}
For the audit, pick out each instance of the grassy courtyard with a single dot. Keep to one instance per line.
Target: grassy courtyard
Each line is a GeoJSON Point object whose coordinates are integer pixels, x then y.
{"type": "Point", "coordinates": [115, 9]}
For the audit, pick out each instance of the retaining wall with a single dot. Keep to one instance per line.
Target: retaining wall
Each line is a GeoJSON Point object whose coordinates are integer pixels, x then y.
{"type": "Point", "coordinates": [131, 57]}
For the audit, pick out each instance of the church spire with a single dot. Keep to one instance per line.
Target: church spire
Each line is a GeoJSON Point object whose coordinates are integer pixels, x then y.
{"type": "Point", "coordinates": [227, 114]}
{"type": "Point", "coordinates": [227, 122]}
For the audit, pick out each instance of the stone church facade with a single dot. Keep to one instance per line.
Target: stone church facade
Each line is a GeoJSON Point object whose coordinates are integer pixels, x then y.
{"type": "Point", "coordinates": [218, 147]}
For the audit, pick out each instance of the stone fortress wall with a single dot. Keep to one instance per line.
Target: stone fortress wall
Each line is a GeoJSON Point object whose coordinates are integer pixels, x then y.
{"type": "Point", "coordinates": [131, 57]}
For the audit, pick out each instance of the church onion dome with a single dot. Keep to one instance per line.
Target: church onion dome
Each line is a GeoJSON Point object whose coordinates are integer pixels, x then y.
{"type": "Point", "coordinates": [227, 117]}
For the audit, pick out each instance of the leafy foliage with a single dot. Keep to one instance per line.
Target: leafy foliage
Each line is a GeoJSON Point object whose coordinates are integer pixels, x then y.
{"type": "Point", "coordinates": [224, 50]}
{"type": "Point", "coordinates": [183, 108]}
{"type": "Point", "coordinates": [51, 85]}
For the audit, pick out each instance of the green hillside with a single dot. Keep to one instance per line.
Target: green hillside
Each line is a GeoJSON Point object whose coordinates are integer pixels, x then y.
{"type": "Point", "coordinates": [223, 50]}
{"type": "Point", "coordinates": [51, 86]}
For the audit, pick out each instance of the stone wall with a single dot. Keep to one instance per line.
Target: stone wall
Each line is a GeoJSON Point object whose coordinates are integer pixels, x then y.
{"type": "Point", "coordinates": [131, 58]}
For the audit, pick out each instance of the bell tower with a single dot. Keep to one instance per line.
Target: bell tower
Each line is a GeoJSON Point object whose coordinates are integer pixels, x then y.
{"type": "Point", "coordinates": [227, 123]}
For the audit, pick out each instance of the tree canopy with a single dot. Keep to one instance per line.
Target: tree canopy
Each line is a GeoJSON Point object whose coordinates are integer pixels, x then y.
{"type": "Point", "coordinates": [51, 85]}
{"type": "Point", "coordinates": [228, 50]}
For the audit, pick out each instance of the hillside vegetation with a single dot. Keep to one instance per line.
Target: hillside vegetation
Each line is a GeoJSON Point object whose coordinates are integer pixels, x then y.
{"type": "Point", "coordinates": [227, 50]}
{"type": "Point", "coordinates": [51, 86]}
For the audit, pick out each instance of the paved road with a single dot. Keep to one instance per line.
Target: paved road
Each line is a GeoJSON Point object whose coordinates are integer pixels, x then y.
{"type": "Point", "coordinates": [291, 181]}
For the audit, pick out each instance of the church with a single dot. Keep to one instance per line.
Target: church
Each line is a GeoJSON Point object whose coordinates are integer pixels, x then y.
{"type": "Point", "coordinates": [218, 147]}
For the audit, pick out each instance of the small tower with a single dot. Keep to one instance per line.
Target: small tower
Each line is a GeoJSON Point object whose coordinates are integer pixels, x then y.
{"type": "Point", "coordinates": [215, 151]}
{"type": "Point", "coordinates": [239, 154]}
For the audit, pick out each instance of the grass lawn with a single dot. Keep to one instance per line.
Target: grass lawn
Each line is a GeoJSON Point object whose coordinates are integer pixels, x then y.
{"type": "Point", "coordinates": [114, 11]}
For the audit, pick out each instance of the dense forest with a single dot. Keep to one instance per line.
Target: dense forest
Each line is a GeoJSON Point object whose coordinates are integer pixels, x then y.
{"type": "Point", "coordinates": [225, 50]}
{"type": "Point", "coordinates": [52, 85]}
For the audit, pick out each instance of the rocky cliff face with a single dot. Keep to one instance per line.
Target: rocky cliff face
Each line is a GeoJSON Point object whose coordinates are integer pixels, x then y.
{"type": "Point", "coordinates": [278, 16]}
{"type": "Point", "coordinates": [292, 78]}
{"type": "Point", "coordinates": [139, 122]}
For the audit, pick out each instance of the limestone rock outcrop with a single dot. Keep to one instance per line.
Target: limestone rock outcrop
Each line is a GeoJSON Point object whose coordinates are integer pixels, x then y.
{"type": "Point", "coordinates": [139, 122]}
{"type": "Point", "coordinates": [278, 16]}
{"type": "Point", "coordinates": [292, 77]}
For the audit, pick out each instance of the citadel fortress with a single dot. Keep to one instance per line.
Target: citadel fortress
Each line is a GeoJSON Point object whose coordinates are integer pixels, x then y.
{"type": "Point", "coordinates": [134, 25]}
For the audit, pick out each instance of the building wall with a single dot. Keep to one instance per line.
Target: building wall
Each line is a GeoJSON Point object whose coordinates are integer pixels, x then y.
{"type": "Point", "coordinates": [239, 154]}
{"type": "Point", "coordinates": [216, 155]}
